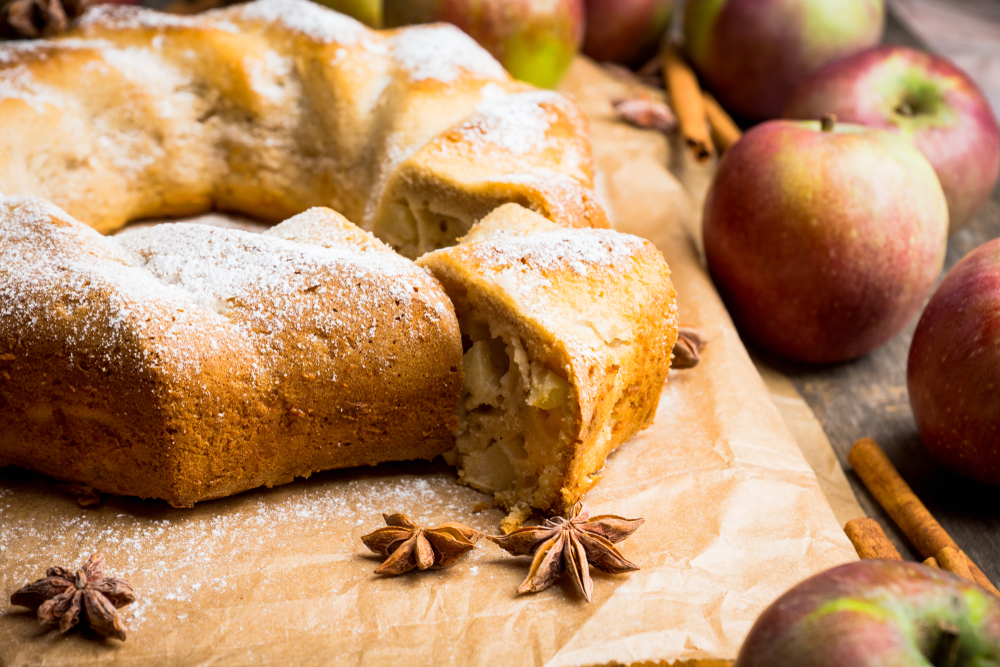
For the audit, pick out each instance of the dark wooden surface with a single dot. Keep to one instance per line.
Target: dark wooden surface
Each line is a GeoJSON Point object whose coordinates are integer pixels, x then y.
{"type": "Point", "coordinates": [868, 397]}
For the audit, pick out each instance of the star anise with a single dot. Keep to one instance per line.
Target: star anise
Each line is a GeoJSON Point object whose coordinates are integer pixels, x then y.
{"type": "Point", "coordinates": [87, 596]}
{"type": "Point", "coordinates": [645, 112]}
{"type": "Point", "coordinates": [31, 19]}
{"type": "Point", "coordinates": [687, 349]}
{"type": "Point", "coordinates": [571, 545]}
{"type": "Point", "coordinates": [407, 545]}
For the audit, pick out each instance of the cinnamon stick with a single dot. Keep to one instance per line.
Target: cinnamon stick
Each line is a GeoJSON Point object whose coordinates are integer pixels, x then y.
{"type": "Point", "coordinates": [898, 500]}
{"type": "Point", "coordinates": [951, 560]}
{"type": "Point", "coordinates": [725, 132]}
{"type": "Point", "coordinates": [869, 540]}
{"type": "Point", "coordinates": [688, 103]}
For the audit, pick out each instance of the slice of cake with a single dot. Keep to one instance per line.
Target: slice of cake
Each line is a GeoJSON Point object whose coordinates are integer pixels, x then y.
{"type": "Point", "coordinates": [567, 337]}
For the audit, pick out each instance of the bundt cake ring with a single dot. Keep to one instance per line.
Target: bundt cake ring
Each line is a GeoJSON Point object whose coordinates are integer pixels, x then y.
{"type": "Point", "coordinates": [272, 107]}
{"type": "Point", "coordinates": [188, 362]}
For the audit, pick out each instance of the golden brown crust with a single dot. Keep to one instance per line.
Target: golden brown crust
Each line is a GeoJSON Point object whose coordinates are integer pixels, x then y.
{"type": "Point", "coordinates": [270, 108]}
{"type": "Point", "coordinates": [185, 362]}
{"type": "Point", "coordinates": [183, 391]}
{"type": "Point", "coordinates": [526, 146]}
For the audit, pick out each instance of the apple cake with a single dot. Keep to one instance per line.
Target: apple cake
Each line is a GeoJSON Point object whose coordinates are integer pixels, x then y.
{"type": "Point", "coordinates": [188, 362]}
{"type": "Point", "coordinates": [272, 107]}
{"type": "Point", "coordinates": [567, 337]}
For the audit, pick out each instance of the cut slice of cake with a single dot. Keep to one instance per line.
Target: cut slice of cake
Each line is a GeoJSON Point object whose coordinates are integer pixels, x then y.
{"type": "Point", "coordinates": [567, 337]}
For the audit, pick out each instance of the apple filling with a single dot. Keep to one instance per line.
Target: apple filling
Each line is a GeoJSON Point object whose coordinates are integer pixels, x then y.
{"type": "Point", "coordinates": [415, 228]}
{"type": "Point", "coordinates": [513, 416]}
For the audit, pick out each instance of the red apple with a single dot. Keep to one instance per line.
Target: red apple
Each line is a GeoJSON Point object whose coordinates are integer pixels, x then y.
{"type": "Point", "coordinates": [625, 31]}
{"type": "Point", "coordinates": [535, 40]}
{"type": "Point", "coordinates": [368, 12]}
{"type": "Point", "coordinates": [753, 53]}
{"type": "Point", "coordinates": [925, 99]}
{"type": "Point", "coordinates": [877, 613]}
{"type": "Point", "coordinates": [954, 368]}
{"type": "Point", "coordinates": [824, 239]}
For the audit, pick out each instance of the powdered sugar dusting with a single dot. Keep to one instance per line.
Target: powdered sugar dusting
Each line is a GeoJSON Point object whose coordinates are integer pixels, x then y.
{"type": "Point", "coordinates": [307, 18]}
{"type": "Point", "coordinates": [139, 65]}
{"type": "Point", "coordinates": [40, 49]}
{"type": "Point", "coordinates": [442, 53]}
{"type": "Point", "coordinates": [127, 17]}
{"type": "Point", "coordinates": [70, 269]}
{"type": "Point", "coordinates": [560, 190]}
{"type": "Point", "coordinates": [313, 227]}
{"type": "Point", "coordinates": [535, 254]}
{"type": "Point", "coordinates": [269, 75]}
{"type": "Point", "coordinates": [577, 282]}
{"type": "Point", "coordinates": [18, 83]}
{"type": "Point", "coordinates": [191, 290]}
{"type": "Point", "coordinates": [181, 561]}
{"type": "Point", "coordinates": [517, 123]}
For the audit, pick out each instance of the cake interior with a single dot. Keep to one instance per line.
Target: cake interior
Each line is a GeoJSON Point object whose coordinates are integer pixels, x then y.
{"type": "Point", "coordinates": [515, 416]}
{"type": "Point", "coordinates": [418, 222]}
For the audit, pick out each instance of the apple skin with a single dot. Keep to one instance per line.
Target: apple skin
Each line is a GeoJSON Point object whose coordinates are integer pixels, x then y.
{"type": "Point", "coordinates": [953, 373]}
{"type": "Point", "coordinates": [625, 31]}
{"type": "Point", "coordinates": [951, 120]}
{"type": "Point", "coordinates": [368, 12]}
{"type": "Point", "coordinates": [823, 244]}
{"type": "Point", "coordinates": [874, 613]}
{"type": "Point", "coordinates": [535, 40]}
{"type": "Point", "coordinates": [753, 53]}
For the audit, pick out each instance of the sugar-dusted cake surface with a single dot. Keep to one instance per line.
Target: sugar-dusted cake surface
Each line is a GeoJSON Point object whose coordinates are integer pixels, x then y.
{"type": "Point", "coordinates": [185, 362]}
{"type": "Point", "coordinates": [568, 335]}
{"type": "Point", "coordinates": [271, 107]}
{"type": "Point", "coordinates": [188, 362]}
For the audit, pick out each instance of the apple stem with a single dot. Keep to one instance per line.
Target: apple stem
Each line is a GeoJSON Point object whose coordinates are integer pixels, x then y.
{"type": "Point", "coordinates": [828, 122]}
{"type": "Point", "coordinates": [946, 651]}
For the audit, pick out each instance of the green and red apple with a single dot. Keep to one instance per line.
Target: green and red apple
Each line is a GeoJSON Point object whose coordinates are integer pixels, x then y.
{"type": "Point", "coordinates": [923, 98]}
{"type": "Point", "coordinates": [877, 613]}
{"type": "Point", "coordinates": [824, 239]}
{"type": "Point", "coordinates": [625, 31]}
{"type": "Point", "coordinates": [368, 12]}
{"type": "Point", "coordinates": [535, 40]}
{"type": "Point", "coordinates": [753, 53]}
{"type": "Point", "coordinates": [953, 374]}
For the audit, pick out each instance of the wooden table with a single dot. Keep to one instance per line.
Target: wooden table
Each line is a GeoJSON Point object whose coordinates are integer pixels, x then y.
{"type": "Point", "coordinates": [868, 397]}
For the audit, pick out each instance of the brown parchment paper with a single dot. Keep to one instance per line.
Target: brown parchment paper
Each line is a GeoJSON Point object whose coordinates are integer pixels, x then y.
{"type": "Point", "coordinates": [734, 517]}
{"type": "Point", "coordinates": [815, 446]}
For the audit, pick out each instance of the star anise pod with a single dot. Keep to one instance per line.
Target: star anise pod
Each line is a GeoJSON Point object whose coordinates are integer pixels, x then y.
{"type": "Point", "coordinates": [87, 596]}
{"type": "Point", "coordinates": [572, 545]}
{"type": "Point", "coordinates": [645, 112]}
{"type": "Point", "coordinates": [407, 545]}
{"type": "Point", "coordinates": [687, 349]}
{"type": "Point", "coordinates": [31, 19]}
